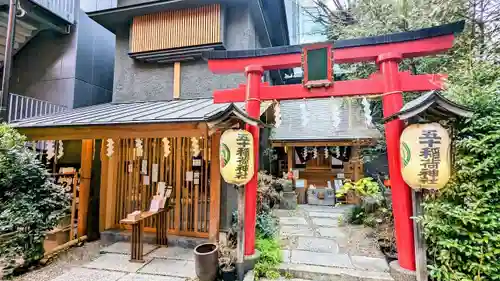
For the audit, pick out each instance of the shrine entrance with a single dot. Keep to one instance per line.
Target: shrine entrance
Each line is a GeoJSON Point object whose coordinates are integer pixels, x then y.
{"type": "Point", "coordinates": [317, 62]}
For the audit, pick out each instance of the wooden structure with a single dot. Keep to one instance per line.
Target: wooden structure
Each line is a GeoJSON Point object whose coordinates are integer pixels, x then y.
{"type": "Point", "coordinates": [136, 243]}
{"type": "Point", "coordinates": [294, 137]}
{"type": "Point", "coordinates": [138, 152]}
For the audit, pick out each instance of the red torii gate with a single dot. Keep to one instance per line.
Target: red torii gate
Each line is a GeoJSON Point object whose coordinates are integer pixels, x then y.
{"type": "Point", "coordinates": [387, 51]}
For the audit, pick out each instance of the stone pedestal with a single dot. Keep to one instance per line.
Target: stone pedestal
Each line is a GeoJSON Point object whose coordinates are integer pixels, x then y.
{"type": "Point", "coordinates": [401, 274]}
{"type": "Point", "coordinates": [288, 200]}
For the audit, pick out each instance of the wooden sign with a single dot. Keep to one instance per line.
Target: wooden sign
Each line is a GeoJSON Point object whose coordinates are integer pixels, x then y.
{"type": "Point", "coordinates": [317, 65]}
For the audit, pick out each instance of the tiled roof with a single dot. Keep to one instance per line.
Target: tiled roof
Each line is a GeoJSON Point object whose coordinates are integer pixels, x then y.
{"type": "Point", "coordinates": [320, 126]}
{"type": "Point", "coordinates": [194, 110]}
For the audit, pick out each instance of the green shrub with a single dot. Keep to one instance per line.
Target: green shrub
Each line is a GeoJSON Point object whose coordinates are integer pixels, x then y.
{"type": "Point", "coordinates": [31, 203]}
{"type": "Point", "coordinates": [270, 257]}
{"type": "Point", "coordinates": [462, 222]}
{"type": "Point", "coordinates": [356, 215]}
{"type": "Point", "coordinates": [266, 225]}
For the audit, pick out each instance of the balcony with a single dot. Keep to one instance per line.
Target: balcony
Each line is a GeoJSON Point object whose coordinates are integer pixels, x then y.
{"type": "Point", "coordinates": [21, 107]}
{"type": "Point", "coordinates": [34, 16]}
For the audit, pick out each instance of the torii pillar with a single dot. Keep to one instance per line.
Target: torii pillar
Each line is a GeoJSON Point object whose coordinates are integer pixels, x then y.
{"type": "Point", "coordinates": [254, 77]}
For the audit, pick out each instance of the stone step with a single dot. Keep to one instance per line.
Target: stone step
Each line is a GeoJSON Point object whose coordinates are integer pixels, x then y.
{"type": "Point", "coordinates": [323, 273]}
{"type": "Point", "coordinates": [285, 279]}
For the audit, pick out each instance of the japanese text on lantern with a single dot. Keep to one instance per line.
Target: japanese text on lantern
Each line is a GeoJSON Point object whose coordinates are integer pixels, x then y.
{"type": "Point", "coordinates": [429, 156]}
{"type": "Point", "coordinates": [243, 153]}
{"type": "Point", "coordinates": [425, 156]}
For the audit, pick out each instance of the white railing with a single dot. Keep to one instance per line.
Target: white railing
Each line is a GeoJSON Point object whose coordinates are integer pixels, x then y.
{"type": "Point", "coordinates": [21, 107]}
{"type": "Point", "coordinates": [65, 9]}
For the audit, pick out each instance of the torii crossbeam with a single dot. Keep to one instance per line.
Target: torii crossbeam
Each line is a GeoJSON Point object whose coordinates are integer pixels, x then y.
{"type": "Point", "coordinates": [386, 51]}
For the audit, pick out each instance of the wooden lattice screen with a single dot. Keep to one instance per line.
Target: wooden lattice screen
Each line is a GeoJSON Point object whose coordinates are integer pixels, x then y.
{"type": "Point", "coordinates": [134, 188]}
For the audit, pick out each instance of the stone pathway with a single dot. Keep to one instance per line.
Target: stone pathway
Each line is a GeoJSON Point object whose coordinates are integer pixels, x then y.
{"type": "Point", "coordinates": [162, 264]}
{"type": "Point", "coordinates": [318, 245]}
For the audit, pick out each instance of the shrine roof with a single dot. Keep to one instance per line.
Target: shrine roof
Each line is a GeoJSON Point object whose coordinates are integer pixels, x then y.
{"type": "Point", "coordinates": [319, 128]}
{"type": "Point", "coordinates": [442, 30]}
{"type": "Point", "coordinates": [148, 112]}
{"type": "Point", "coordinates": [431, 105]}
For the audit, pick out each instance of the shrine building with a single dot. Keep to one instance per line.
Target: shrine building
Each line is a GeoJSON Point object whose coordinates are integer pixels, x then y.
{"type": "Point", "coordinates": [170, 107]}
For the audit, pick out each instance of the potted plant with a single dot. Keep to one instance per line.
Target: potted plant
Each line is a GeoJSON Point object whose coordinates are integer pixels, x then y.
{"type": "Point", "coordinates": [365, 190]}
{"type": "Point", "coordinates": [227, 263]}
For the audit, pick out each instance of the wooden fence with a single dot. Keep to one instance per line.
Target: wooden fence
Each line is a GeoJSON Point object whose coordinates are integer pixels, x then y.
{"type": "Point", "coordinates": [138, 177]}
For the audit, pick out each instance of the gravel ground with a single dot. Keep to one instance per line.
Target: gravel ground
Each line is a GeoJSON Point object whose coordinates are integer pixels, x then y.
{"type": "Point", "coordinates": [62, 263]}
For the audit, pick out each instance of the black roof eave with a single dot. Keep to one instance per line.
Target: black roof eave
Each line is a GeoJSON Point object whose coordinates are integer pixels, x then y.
{"type": "Point", "coordinates": [305, 139]}
{"type": "Point", "coordinates": [442, 30]}
{"type": "Point", "coordinates": [114, 18]}
{"type": "Point", "coordinates": [435, 100]}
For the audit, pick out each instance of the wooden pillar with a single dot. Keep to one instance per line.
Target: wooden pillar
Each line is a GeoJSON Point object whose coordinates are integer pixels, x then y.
{"type": "Point", "coordinates": [290, 151]}
{"type": "Point", "coordinates": [178, 182]}
{"type": "Point", "coordinates": [103, 192]}
{"type": "Point", "coordinates": [111, 185]}
{"type": "Point", "coordinates": [357, 164]}
{"type": "Point", "coordinates": [177, 80]}
{"type": "Point", "coordinates": [85, 175]}
{"type": "Point", "coordinates": [215, 185]}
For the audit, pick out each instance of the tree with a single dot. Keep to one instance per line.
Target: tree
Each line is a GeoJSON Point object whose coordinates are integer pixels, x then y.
{"type": "Point", "coordinates": [462, 222]}
{"type": "Point", "coordinates": [30, 203]}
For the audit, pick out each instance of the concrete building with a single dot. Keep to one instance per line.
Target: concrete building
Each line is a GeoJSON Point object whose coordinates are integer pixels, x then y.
{"type": "Point", "coordinates": [301, 23]}
{"type": "Point", "coordinates": [62, 60]}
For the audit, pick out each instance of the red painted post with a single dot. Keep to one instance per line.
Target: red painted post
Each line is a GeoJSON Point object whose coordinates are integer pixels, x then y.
{"type": "Point", "coordinates": [254, 76]}
{"type": "Point", "coordinates": [401, 193]}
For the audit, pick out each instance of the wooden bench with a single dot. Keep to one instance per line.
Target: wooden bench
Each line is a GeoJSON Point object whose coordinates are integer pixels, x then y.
{"type": "Point", "coordinates": [138, 232]}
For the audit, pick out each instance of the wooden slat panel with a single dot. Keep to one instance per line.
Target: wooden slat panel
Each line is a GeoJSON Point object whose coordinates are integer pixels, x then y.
{"type": "Point", "coordinates": [178, 182]}
{"type": "Point", "coordinates": [103, 192]}
{"type": "Point", "coordinates": [191, 213]}
{"type": "Point", "coordinates": [176, 29]}
{"type": "Point", "coordinates": [215, 184]}
{"type": "Point", "coordinates": [86, 173]}
{"type": "Point", "coordinates": [112, 184]}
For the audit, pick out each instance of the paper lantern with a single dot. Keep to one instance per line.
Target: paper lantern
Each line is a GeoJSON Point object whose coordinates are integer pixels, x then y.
{"type": "Point", "coordinates": [236, 156]}
{"type": "Point", "coordinates": [425, 156]}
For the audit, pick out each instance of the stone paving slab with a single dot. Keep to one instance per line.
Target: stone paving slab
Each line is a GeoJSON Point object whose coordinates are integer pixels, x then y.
{"type": "Point", "coordinates": [125, 248]}
{"type": "Point", "coordinates": [85, 274]}
{"type": "Point", "coordinates": [284, 279]}
{"type": "Point", "coordinates": [369, 263]}
{"type": "Point", "coordinates": [367, 275]}
{"type": "Point", "coordinates": [331, 232]}
{"type": "Point", "coordinates": [312, 272]}
{"type": "Point", "coordinates": [325, 222]}
{"type": "Point", "coordinates": [149, 277]}
{"type": "Point", "coordinates": [323, 259]}
{"type": "Point", "coordinates": [336, 216]}
{"type": "Point", "coordinates": [284, 213]}
{"type": "Point", "coordinates": [286, 256]}
{"type": "Point", "coordinates": [322, 273]}
{"type": "Point", "coordinates": [175, 253]}
{"type": "Point", "coordinates": [290, 230]}
{"type": "Point", "coordinates": [326, 209]}
{"type": "Point", "coordinates": [293, 221]}
{"type": "Point", "coordinates": [176, 268]}
{"type": "Point", "coordinates": [315, 244]}
{"type": "Point", "coordinates": [116, 262]}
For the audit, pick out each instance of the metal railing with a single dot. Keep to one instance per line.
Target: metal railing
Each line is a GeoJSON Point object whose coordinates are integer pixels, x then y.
{"type": "Point", "coordinates": [65, 9]}
{"type": "Point", "coordinates": [21, 107]}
